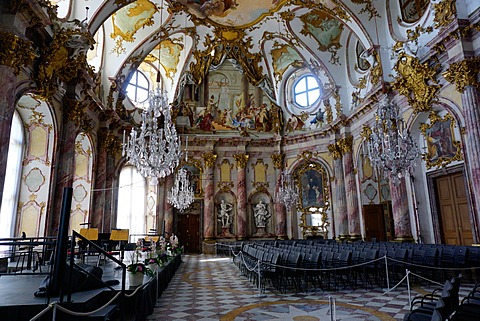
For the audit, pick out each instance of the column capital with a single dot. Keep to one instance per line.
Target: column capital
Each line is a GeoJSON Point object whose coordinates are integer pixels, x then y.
{"type": "Point", "coordinates": [209, 159]}
{"type": "Point", "coordinates": [464, 73]}
{"type": "Point", "coordinates": [346, 144]}
{"type": "Point", "coordinates": [335, 150]}
{"type": "Point", "coordinates": [15, 51]}
{"type": "Point", "coordinates": [241, 160]}
{"type": "Point", "coordinates": [277, 160]}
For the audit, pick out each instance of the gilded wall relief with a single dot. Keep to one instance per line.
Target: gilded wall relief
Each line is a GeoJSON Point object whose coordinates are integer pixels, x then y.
{"type": "Point", "coordinates": [128, 20]}
{"type": "Point", "coordinates": [284, 56]}
{"type": "Point", "coordinates": [442, 148]}
{"type": "Point", "coordinates": [312, 183]}
{"type": "Point", "coordinates": [30, 214]}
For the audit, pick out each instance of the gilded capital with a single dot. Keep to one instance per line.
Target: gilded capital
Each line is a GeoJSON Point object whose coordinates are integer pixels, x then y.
{"type": "Point", "coordinates": [241, 160]}
{"type": "Point", "coordinates": [209, 159]}
{"type": "Point", "coordinates": [346, 144]}
{"type": "Point", "coordinates": [464, 73]}
{"type": "Point", "coordinates": [278, 160]}
{"type": "Point", "coordinates": [335, 150]}
{"type": "Point", "coordinates": [15, 52]}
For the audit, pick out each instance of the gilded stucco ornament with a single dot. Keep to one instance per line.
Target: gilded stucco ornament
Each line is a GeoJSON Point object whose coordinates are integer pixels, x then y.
{"type": "Point", "coordinates": [376, 71]}
{"type": "Point", "coordinates": [464, 73]}
{"type": "Point", "coordinates": [369, 7]}
{"type": "Point", "coordinates": [346, 144]}
{"type": "Point", "coordinates": [15, 52]}
{"type": "Point", "coordinates": [209, 159]}
{"type": "Point", "coordinates": [335, 150]}
{"type": "Point", "coordinates": [445, 13]}
{"type": "Point", "coordinates": [110, 142]}
{"type": "Point", "coordinates": [415, 81]}
{"type": "Point", "coordinates": [76, 112]}
{"type": "Point", "coordinates": [61, 62]}
{"type": "Point", "coordinates": [328, 111]}
{"type": "Point", "coordinates": [366, 132]}
{"type": "Point", "coordinates": [241, 160]}
{"type": "Point", "coordinates": [277, 160]}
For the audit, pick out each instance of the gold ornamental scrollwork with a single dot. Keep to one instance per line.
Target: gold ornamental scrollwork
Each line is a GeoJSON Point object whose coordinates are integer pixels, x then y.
{"type": "Point", "coordinates": [445, 13]}
{"type": "Point", "coordinates": [209, 159]}
{"type": "Point", "coordinates": [225, 186]}
{"type": "Point", "coordinates": [277, 160]}
{"type": "Point", "coordinates": [335, 150]}
{"type": "Point", "coordinates": [15, 52]}
{"type": "Point", "coordinates": [464, 73]}
{"type": "Point", "coordinates": [369, 7]}
{"type": "Point", "coordinates": [110, 142]}
{"type": "Point", "coordinates": [75, 111]}
{"type": "Point", "coordinates": [346, 144]}
{"type": "Point", "coordinates": [415, 81]}
{"type": "Point", "coordinates": [241, 160]}
{"type": "Point", "coordinates": [366, 132]}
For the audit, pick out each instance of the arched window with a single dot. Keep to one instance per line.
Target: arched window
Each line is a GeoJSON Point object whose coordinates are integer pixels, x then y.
{"type": "Point", "coordinates": [138, 87]}
{"type": "Point", "coordinates": [131, 201]}
{"type": "Point", "coordinates": [12, 178]}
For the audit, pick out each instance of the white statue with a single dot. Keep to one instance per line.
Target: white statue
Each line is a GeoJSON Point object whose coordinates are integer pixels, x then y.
{"type": "Point", "coordinates": [224, 213]}
{"type": "Point", "coordinates": [261, 214]}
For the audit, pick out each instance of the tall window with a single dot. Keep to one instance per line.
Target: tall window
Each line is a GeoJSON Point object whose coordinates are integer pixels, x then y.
{"type": "Point", "coordinates": [137, 89]}
{"type": "Point", "coordinates": [12, 178]}
{"type": "Point", "coordinates": [306, 91]}
{"type": "Point", "coordinates": [131, 201]}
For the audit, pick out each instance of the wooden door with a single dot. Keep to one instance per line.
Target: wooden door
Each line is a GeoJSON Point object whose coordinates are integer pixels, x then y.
{"type": "Point", "coordinates": [374, 222]}
{"type": "Point", "coordinates": [454, 215]}
{"type": "Point", "coordinates": [188, 232]}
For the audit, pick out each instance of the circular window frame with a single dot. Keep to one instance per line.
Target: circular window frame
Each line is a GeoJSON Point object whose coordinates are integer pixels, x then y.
{"type": "Point", "coordinates": [290, 83]}
{"type": "Point", "coordinates": [136, 86]}
{"type": "Point", "coordinates": [305, 77]}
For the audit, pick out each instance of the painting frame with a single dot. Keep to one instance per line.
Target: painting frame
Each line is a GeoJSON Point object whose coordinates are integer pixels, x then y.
{"type": "Point", "coordinates": [312, 184]}
{"type": "Point", "coordinates": [441, 146]}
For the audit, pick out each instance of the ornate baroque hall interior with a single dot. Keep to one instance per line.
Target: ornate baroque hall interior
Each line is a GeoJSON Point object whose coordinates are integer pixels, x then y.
{"type": "Point", "coordinates": [237, 122]}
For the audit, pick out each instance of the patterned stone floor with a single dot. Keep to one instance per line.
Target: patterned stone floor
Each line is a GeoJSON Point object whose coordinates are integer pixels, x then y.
{"type": "Point", "coordinates": [211, 288]}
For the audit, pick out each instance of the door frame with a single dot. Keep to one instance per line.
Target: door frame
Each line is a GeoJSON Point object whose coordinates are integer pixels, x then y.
{"type": "Point", "coordinates": [431, 176]}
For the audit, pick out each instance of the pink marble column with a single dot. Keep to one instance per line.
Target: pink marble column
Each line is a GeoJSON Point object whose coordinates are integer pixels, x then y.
{"type": "Point", "coordinates": [471, 104]}
{"type": "Point", "coordinates": [7, 101]}
{"type": "Point", "coordinates": [64, 167]}
{"type": "Point", "coordinates": [280, 212]}
{"type": "Point", "coordinates": [209, 206]}
{"type": "Point", "coordinates": [351, 190]}
{"type": "Point", "coordinates": [168, 208]}
{"type": "Point", "coordinates": [100, 186]}
{"type": "Point", "coordinates": [400, 212]}
{"type": "Point", "coordinates": [339, 205]}
{"type": "Point", "coordinates": [241, 202]}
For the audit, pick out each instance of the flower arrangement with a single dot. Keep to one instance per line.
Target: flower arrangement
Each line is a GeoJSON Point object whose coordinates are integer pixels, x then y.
{"type": "Point", "coordinates": [139, 267]}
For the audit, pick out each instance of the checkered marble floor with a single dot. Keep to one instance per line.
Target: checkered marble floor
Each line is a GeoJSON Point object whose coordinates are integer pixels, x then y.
{"type": "Point", "coordinates": [208, 288]}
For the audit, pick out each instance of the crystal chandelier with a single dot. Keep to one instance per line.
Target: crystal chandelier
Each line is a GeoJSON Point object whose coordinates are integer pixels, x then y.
{"type": "Point", "coordinates": [391, 149]}
{"type": "Point", "coordinates": [287, 192]}
{"type": "Point", "coordinates": [155, 150]}
{"type": "Point", "coordinates": [181, 195]}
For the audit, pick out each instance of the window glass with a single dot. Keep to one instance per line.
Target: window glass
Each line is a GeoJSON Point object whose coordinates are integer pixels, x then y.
{"type": "Point", "coordinates": [12, 178]}
{"type": "Point", "coordinates": [138, 87]}
{"type": "Point", "coordinates": [131, 201]}
{"type": "Point", "coordinates": [413, 10]}
{"type": "Point", "coordinates": [306, 91]}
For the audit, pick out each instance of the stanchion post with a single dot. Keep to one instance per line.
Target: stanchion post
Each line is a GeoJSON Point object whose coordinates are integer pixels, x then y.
{"type": "Point", "coordinates": [386, 273]}
{"type": "Point", "coordinates": [259, 295]}
{"type": "Point", "coordinates": [331, 307]}
{"type": "Point", "coordinates": [408, 287]}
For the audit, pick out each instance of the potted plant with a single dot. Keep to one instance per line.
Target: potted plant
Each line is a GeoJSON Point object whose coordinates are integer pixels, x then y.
{"type": "Point", "coordinates": [136, 272]}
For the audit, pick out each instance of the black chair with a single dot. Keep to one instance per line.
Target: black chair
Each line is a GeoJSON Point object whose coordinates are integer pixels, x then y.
{"type": "Point", "coordinates": [439, 313]}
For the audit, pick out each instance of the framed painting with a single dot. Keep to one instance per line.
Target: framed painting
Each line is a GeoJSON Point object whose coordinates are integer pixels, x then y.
{"type": "Point", "coordinates": [311, 180]}
{"type": "Point", "coordinates": [441, 146]}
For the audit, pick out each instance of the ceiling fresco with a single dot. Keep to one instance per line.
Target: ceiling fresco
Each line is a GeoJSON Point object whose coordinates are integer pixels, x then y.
{"type": "Point", "coordinates": [268, 42]}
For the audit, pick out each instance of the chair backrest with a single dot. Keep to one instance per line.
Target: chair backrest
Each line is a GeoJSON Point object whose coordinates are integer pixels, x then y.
{"type": "Point", "coordinates": [440, 313]}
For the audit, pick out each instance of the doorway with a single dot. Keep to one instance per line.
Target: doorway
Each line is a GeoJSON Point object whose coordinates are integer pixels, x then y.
{"type": "Point", "coordinates": [188, 228]}
{"type": "Point", "coordinates": [374, 223]}
{"type": "Point", "coordinates": [453, 209]}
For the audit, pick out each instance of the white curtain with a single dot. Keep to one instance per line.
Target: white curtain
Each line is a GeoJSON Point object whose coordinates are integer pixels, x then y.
{"type": "Point", "coordinates": [13, 176]}
{"type": "Point", "coordinates": [131, 201]}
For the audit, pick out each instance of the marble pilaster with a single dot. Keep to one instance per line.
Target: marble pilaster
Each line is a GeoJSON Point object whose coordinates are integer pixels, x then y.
{"type": "Point", "coordinates": [209, 205]}
{"type": "Point", "coordinates": [167, 207]}
{"type": "Point", "coordinates": [346, 145]}
{"type": "Point", "coordinates": [340, 201]}
{"type": "Point", "coordinates": [280, 212]}
{"type": "Point", "coordinates": [400, 212]}
{"type": "Point", "coordinates": [242, 230]}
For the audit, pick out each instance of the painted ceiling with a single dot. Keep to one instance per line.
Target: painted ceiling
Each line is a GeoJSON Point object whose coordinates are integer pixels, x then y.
{"type": "Point", "coordinates": [269, 40]}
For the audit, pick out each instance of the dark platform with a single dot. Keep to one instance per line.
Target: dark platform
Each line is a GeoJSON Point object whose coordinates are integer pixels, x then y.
{"type": "Point", "coordinates": [18, 303]}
